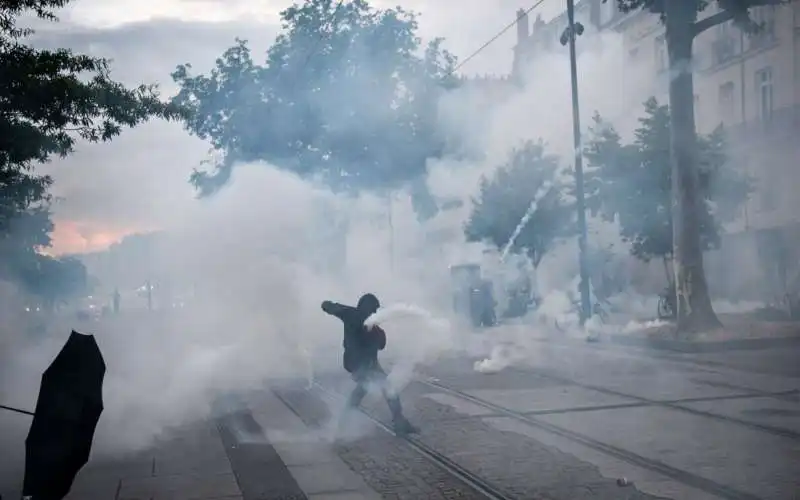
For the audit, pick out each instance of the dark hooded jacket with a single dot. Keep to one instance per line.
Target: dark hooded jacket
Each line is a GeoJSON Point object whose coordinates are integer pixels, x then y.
{"type": "Point", "coordinates": [361, 345]}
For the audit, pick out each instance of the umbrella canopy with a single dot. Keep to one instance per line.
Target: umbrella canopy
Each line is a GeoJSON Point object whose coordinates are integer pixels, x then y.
{"type": "Point", "coordinates": [67, 411]}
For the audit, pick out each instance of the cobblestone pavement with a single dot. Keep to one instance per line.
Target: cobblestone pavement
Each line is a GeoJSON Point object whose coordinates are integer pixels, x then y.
{"type": "Point", "coordinates": [525, 468]}
{"type": "Point", "coordinates": [386, 463]}
{"type": "Point", "coordinates": [736, 431]}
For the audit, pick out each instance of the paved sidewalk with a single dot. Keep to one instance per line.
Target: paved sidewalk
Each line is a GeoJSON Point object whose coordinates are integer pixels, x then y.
{"type": "Point", "coordinates": [685, 431]}
{"type": "Point", "coordinates": [310, 457]}
{"type": "Point", "coordinates": [192, 464]}
{"type": "Point", "coordinates": [230, 458]}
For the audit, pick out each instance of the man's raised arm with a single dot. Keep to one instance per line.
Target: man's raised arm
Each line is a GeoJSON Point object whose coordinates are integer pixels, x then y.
{"type": "Point", "coordinates": [336, 309]}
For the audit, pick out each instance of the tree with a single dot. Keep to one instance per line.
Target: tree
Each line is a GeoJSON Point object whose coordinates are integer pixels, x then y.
{"type": "Point", "coordinates": [49, 99]}
{"type": "Point", "coordinates": [25, 232]}
{"type": "Point", "coordinates": [344, 96]}
{"type": "Point", "coordinates": [682, 23]}
{"type": "Point", "coordinates": [632, 183]}
{"type": "Point", "coordinates": [54, 280]}
{"type": "Point", "coordinates": [527, 177]}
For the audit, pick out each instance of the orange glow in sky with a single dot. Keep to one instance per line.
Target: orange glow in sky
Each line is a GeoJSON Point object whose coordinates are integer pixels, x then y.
{"type": "Point", "coordinates": [79, 237]}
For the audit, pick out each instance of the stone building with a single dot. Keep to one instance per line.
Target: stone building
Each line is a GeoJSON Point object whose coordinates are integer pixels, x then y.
{"type": "Point", "coordinates": [749, 83]}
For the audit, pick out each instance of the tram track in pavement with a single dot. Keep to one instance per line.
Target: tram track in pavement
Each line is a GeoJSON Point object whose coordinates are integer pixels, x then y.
{"type": "Point", "coordinates": [644, 352]}
{"type": "Point", "coordinates": [682, 476]}
{"type": "Point", "coordinates": [639, 404]}
{"type": "Point", "coordinates": [474, 481]}
{"type": "Point", "coordinates": [678, 404]}
{"type": "Point", "coordinates": [641, 354]}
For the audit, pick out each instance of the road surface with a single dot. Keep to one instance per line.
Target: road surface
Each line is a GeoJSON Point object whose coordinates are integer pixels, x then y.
{"type": "Point", "coordinates": [573, 421]}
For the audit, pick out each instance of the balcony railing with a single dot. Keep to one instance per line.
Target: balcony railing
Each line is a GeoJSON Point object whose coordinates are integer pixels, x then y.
{"type": "Point", "coordinates": [784, 121]}
{"type": "Point", "coordinates": [762, 38]}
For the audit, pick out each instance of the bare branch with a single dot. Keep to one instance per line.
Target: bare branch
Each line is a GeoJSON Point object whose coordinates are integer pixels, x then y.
{"type": "Point", "coordinates": [711, 21]}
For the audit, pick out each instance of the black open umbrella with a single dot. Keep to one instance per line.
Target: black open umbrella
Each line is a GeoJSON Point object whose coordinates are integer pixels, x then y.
{"type": "Point", "coordinates": [69, 406]}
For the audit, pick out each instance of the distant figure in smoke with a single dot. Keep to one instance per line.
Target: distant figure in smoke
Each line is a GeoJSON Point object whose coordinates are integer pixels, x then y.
{"type": "Point", "coordinates": [361, 346]}
{"type": "Point", "coordinates": [116, 300]}
{"type": "Point", "coordinates": [483, 304]}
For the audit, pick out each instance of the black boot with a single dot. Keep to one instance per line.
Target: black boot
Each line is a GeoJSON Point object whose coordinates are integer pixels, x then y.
{"type": "Point", "coordinates": [402, 427]}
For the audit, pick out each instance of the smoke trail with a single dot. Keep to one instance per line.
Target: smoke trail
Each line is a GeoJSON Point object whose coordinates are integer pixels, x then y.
{"type": "Point", "coordinates": [399, 311]}
{"type": "Point", "coordinates": [540, 193]}
{"type": "Point", "coordinates": [419, 344]}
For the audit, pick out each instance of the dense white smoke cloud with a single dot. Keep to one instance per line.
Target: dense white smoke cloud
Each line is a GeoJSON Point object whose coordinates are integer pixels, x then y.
{"type": "Point", "coordinates": [259, 267]}
{"type": "Point", "coordinates": [261, 255]}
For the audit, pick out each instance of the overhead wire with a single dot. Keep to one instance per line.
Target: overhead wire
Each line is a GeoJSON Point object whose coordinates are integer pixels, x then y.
{"type": "Point", "coordinates": [458, 66]}
{"type": "Point", "coordinates": [493, 39]}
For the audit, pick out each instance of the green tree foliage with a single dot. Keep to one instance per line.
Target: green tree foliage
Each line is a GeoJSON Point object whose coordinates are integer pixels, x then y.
{"type": "Point", "coordinates": [632, 183]}
{"type": "Point", "coordinates": [505, 197]}
{"type": "Point", "coordinates": [49, 99]}
{"type": "Point", "coordinates": [347, 95]}
{"type": "Point", "coordinates": [683, 22]}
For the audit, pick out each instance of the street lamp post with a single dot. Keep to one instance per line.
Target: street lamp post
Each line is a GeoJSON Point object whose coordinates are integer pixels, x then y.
{"type": "Point", "coordinates": [569, 35]}
{"type": "Point", "coordinates": [390, 216]}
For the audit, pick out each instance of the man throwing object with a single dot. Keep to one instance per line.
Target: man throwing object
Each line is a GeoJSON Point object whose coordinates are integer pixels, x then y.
{"type": "Point", "coordinates": [361, 346]}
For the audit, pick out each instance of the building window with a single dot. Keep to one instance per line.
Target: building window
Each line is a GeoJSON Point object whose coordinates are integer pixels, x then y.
{"type": "Point", "coordinates": [724, 46]}
{"type": "Point", "coordinates": [662, 60]}
{"type": "Point", "coordinates": [724, 29]}
{"type": "Point", "coordinates": [765, 96]}
{"type": "Point", "coordinates": [764, 17]}
{"type": "Point", "coordinates": [726, 102]}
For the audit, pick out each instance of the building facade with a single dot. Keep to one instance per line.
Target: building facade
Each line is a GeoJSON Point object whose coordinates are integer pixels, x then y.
{"type": "Point", "coordinates": [750, 84]}
{"type": "Point", "coordinates": [537, 36]}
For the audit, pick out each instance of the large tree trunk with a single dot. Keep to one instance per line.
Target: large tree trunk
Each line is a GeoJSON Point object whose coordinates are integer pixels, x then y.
{"type": "Point", "coordinates": [694, 304]}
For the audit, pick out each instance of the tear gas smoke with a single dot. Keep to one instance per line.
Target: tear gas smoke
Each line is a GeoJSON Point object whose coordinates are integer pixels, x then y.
{"type": "Point", "coordinates": [501, 357]}
{"type": "Point", "coordinates": [424, 338]}
{"type": "Point", "coordinates": [261, 255]}
{"type": "Point", "coordinates": [400, 311]}
{"type": "Point", "coordinates": [259, 263]}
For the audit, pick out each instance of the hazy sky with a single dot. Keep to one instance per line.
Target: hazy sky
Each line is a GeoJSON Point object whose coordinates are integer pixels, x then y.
{"type": "Point", "coordinates": [110, 190]}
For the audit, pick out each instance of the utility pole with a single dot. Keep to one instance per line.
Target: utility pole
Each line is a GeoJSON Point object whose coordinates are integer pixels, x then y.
{"type": "Point", "coordinates": [743, 94]}
{"type": "Point", "coordinates": [389, 206]}
{"type": "Point", "coordinates": [569, 35]}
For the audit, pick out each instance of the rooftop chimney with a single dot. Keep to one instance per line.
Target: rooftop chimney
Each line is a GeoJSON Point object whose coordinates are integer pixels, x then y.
{"type": "Point", "coordinates": [523, 30]}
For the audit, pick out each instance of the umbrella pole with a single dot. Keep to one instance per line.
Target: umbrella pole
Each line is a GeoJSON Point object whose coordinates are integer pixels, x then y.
{"type": "Point", "coordinates": [16, 410]}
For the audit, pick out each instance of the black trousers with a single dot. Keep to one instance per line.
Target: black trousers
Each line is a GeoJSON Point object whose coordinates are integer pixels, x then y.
{"type": "Point", "coordinates": [373, 374]}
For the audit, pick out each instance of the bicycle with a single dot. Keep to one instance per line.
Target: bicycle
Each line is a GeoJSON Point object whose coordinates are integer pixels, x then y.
{"type": "Point", "coordinates": [598, 311]}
